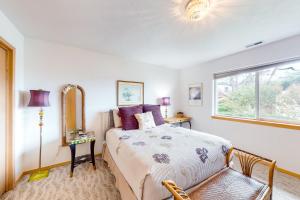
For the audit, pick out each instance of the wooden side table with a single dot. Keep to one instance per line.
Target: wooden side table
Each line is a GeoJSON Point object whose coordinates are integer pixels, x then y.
{"type": "Point", "coordinates": [179, 120]}
{"type": "Point", "coordinates": [75, 139]}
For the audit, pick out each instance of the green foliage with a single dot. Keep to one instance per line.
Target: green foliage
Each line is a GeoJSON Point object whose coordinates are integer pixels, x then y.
{"type": "Point", "coordinates": [288, 104]}
{"type": "Point", "coordinates": [290, 80]}
{"type": "Point", "coordinates": [240, 102]}
{"type": "Point", "coordinates": [268, 95]}
{"type": "Point", "coordinates": [279, 100]}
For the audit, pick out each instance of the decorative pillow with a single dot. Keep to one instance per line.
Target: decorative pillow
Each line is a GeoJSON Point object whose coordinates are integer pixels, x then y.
{"type": "Point", "coordinates": [128, 120]}
{"type": "Point", "coordinates": [155, 109]}
{"type": "Point", "coordinates": [145, 120]}
{"type": "Point", "coordinates": [117, 118]}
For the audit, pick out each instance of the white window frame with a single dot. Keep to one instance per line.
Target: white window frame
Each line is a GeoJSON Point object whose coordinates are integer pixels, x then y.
{"type": "Point", "coordinates": [255, 69]}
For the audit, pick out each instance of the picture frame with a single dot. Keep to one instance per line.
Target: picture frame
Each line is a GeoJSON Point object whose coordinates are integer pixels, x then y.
{"type": "Point", "coordinates": [130, 93]}
{"type": "Point", "coordinates": [195, 94]}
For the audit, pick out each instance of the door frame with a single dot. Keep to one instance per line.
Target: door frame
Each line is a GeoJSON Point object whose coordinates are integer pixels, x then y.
{"type": "Point", "coordinates": [9, 146]}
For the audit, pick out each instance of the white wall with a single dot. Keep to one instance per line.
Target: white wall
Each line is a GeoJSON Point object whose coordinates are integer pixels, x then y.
{"type": "Point", "coordinates": [50, 66]}
{"type": "Point", "coordinates": [10, 33]}
{"type": "Point", "coordinates": [280, 144]}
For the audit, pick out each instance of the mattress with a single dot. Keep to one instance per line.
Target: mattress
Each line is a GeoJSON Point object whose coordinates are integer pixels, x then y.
{"type": "Point", "coordinates": [146, 157]}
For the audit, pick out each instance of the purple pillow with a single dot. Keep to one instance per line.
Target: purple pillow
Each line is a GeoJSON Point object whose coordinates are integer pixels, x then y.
{"type": "Point", "coordinates": [128, 119]}
{"type": "Point", "coordinates": [155, 109]}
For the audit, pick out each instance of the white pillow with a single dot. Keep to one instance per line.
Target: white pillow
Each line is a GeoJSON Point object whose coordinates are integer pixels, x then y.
{"type": "Point", "coordinates": [146, 120]}
{"type": "Point", "coordinates": [117, 118]}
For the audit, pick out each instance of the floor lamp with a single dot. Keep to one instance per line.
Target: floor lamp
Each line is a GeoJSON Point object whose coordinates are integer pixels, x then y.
{"type": "Point", "coordinates": [39, 98]}
{"type": "Point", "coordinates": [166, 102]}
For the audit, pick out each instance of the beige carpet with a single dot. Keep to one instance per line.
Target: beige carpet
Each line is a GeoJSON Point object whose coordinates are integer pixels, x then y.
{"type": "Point", "coordinates": [88, 184]}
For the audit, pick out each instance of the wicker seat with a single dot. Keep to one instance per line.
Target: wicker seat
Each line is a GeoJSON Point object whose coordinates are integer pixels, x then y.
{"type": "Point", "coordinates": [229, 184]}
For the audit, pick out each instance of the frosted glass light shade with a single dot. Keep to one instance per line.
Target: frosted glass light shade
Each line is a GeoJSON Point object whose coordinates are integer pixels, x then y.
{"type": "Point", "coordinates": [197, 9]}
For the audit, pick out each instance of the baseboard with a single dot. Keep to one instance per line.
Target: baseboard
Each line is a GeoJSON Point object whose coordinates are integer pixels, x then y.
{"type": "Point", "coordinates": [47, 168]}
{"type": "Point", "coordinates": [279, 169]}
{"type": "Point", "coordinates": [282, 170]}
{"type": "Point", "coordinates": [18, 179]}
{"type": "Point", "coordinates": [290, 173]}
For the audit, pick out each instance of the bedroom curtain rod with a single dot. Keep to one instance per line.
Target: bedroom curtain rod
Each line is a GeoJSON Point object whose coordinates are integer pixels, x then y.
{"type": "Point", "coordinates": [255, 68]}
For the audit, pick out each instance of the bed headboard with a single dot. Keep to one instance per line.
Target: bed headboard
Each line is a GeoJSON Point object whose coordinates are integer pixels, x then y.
{"type": "Point", "coordinates": [106, 122]}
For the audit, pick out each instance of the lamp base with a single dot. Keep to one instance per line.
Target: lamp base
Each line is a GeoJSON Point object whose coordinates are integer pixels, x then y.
{"type": "Point", "coordinates": [36, 176]}
{"type": "Point", "coordinates": [166, 112]}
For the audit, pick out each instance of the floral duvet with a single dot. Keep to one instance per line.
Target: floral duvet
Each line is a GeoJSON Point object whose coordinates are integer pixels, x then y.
{"type": "Point", "coordinates": [146, 157]}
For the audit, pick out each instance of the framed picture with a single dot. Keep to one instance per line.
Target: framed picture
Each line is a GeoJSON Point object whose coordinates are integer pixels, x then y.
{"type": "Point", "coordinates": [196, 94]}
{"type": "Point", "coordinates": [130, 93]}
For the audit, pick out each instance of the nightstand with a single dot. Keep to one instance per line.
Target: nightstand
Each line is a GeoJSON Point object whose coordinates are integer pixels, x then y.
{"type": "Point", "coordinates": [73, 140]}
{"type": "Point", "coordinates": [179, 120]}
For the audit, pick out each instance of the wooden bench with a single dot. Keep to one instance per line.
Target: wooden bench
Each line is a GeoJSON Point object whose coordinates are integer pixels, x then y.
{"type": "Point", "coordinates": [229, 184]}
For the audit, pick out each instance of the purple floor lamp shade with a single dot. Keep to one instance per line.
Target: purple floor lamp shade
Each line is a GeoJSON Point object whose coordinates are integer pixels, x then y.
{"type": "Point", "coordinates": [39, 98]}
{"type": "Point", "coordinates": [166, 101]}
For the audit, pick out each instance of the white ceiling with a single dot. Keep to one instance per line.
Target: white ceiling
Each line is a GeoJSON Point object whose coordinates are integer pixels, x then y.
{"type": "Point", "coordinates": [154, 31]}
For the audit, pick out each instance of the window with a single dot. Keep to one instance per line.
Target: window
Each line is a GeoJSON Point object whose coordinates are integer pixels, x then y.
{"type": "Point", "coordinates": [269, 93]}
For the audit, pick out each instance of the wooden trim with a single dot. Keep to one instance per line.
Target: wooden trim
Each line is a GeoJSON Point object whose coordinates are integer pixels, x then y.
{"type": "Point", "coordinates": [284, 171]}
{"type": "Point", "coordinates": [19, 178]}
{"type": "Point", "coordinates": [5, 44]}
{"type": "Point", "coordinates": [279, 169]}
{"type": "Point", "coordinates": [287, 172]}
{"type": "Point", "coordinates": [259, 122]}
{"type": "Point", "coordinates": [48, 167]}
{"type": "Point", "coordinates": [82, 107]}
{"type": "Point", "coordinates": [9, 160]}
{"type": "Point", "coordinates": [121, 81]}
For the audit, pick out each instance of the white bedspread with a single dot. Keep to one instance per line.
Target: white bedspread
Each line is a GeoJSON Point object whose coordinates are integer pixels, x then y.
{"type": "Point", "coordinates": [147, 157]}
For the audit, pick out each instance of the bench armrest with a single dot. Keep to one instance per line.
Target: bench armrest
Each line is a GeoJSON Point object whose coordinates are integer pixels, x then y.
{"type": "Point", "coordinates": [249, 160]}
{"type": "Point", "coordinates": [176, 191]}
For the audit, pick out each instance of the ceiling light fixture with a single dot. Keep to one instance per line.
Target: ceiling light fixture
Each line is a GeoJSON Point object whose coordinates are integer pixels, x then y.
{"type": "Point", "coordinates": [197, 9]}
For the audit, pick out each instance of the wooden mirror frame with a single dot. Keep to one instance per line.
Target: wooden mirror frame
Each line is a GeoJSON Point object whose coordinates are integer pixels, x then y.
{"type": "Point", "coordinates": [63, 103]}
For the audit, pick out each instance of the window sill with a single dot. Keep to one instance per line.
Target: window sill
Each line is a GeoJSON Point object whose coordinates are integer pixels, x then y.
{"type": "Point", "coordinates": [259, 122]}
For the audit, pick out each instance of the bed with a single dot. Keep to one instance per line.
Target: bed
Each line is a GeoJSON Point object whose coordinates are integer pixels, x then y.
{"type": "Point", "coordinates": [141, 159]}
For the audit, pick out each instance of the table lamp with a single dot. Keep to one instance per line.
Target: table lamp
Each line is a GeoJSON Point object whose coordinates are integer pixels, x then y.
{"type": "Point", "coordinates": [166, 102]}
{"type": "Point", "coordinates": [39, 98]}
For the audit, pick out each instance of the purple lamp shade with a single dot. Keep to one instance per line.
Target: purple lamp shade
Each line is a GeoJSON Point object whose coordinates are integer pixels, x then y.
{"type": "Point", "coordinates": [39, 98]}
{"type": "Point", "coordinates": [166, 101]}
